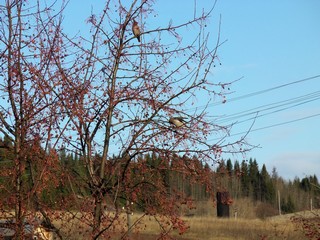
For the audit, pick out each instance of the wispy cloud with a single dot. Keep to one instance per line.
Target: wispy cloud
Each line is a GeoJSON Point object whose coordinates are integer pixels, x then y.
{"type": "Point", "coordinates": [296, 164]}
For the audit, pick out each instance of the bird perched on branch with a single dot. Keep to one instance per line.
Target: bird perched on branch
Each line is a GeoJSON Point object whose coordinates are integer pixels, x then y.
{"type": "Point", "coordinates": [136, 30]}
{"type": "Point", "coordinates": [177, 121]}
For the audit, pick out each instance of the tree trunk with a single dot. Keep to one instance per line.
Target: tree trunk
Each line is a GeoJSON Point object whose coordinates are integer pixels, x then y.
{"type": "Point", "coordinates": [97, 217]}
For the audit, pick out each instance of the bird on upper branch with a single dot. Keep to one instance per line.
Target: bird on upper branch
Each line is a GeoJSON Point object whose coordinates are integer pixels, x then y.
{"type": "Point", "coordinates": [136, 30]}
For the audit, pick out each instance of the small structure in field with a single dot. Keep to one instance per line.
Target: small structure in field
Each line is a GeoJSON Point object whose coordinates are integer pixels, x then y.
{"type": "Point", "coordinates": [223, 203]}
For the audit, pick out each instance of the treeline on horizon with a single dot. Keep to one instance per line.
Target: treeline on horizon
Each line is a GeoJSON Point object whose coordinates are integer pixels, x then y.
{"type": "Point", "coordinates": [243, 179]}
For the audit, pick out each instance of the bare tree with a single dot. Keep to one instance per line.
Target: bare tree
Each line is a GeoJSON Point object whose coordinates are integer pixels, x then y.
{"type": "Point", "coordinates": [29, 41]}
{"type": "Point", "coordinates": [123, 93]}
{"type": "Point", "coordinates": [111, 97]}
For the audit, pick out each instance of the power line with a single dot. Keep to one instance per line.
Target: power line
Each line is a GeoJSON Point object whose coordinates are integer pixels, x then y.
{"type": "Point", "coordinates": [273, 88]}
{"type": "Point", "coordinates": [275, 104]}
{"type": "Point", "coordinates": [253, 94]}
{"type": "Point", "coordinates": [292, 102]}
{"type": "Point", "coordinates": [283, 123]}
{"type": "Point", "coordinates": [270, 126]}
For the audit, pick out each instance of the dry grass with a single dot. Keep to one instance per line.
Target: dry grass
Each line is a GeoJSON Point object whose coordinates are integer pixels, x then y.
{"type": "Point", "coordinates": [279, 227]}
{"type": "Point", "coordinates": [207, 227]}
{"type": "Point", "coordinates": [212, 228]}
{"type": "Point", "coordinates": [223, 229]}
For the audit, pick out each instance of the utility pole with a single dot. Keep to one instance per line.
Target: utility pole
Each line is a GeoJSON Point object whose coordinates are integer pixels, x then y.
{"type": "Point", "coordinates": [279, 204]}
{"type": "Point", "coordinates": [129, 213]}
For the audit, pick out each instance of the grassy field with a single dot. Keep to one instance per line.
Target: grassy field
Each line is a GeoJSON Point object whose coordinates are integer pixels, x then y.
{"type": "Point", "coordinates": [211, 228]}
{"type": "Point", "coordinates": [208, 227]}
{"type": "Point", "coordinates": [225, 229]}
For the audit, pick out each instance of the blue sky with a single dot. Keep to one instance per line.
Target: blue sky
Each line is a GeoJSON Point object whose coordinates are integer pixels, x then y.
{"type": "Point", "coordinates": [269, 44]}
{"type": "Point", "coordinates": [272, 43]}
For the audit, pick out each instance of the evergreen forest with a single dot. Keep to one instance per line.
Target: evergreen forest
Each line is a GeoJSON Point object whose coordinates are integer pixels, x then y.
{"type": "Point", "coordinates": [242, 179]}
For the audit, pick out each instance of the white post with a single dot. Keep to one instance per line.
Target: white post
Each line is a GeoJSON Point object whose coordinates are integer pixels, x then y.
{"type": "Point", "coordinates": [129, 213]}
{"type": "Point", "coordinates": [279, 204]}
{"type": "Point", "coordinates": [311, 207]}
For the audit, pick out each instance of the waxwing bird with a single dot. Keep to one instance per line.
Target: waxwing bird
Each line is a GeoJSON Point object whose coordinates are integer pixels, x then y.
{"type": "Point", "coordinates": [177, 121]}
{"type": "Point", "coordinates": [136, 30]}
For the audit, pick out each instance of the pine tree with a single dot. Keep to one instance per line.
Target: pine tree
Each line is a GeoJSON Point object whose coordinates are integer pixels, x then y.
{"type": "Point", "coordinates": [264, 178]}
{"type": "Point", "coordinates": [305, 184]}
{"type": "Point", "coordinates": [287, 206]}
{"type": "Point", "coordinates": [254, 179]}
{"type": "Point", "coordinates": [267, 187]}
{"type": "Point", "coordinates": [245, 180]}
{"type": "Point", "coordinates": [229, 167]}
